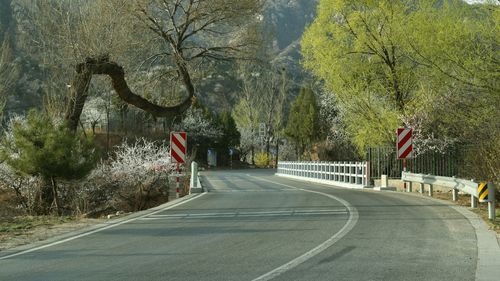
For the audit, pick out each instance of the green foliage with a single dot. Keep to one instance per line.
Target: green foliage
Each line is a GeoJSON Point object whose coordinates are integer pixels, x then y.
{"type": "Point", "coordinates": [357, 53]}
{"type": "Point", "coordinates": [230, 134]}
{"type": "Point", "coordinates": [245, 115]}
{"type": "Point", "coordinates": [37, 147]}
{"type": "Point", "coordinates": [458, 45]}
{"type": "Point", "coordinates": [458, 42]}
{"type": "Point", "coordinates": [357, 50]}
{"type": "Point", "coordinates": [429, 64]}
{"type": "Point", "coordinates": [303, 124]}
{"type": "Point", "coordinates": [262, 159]}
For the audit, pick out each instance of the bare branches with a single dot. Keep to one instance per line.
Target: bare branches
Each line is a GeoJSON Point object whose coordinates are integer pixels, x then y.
{"type": "Point", "coordinates": [103, 66]}
{"type": "Point", "coordinates": [187, 23]}
{"type": "Point", "coordinates": [8, 73]}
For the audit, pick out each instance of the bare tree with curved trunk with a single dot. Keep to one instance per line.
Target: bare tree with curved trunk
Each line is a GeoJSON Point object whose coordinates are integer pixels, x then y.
{"type": "Point", "coordinates": [102, 66]}
{"type": "Point", "coordinates": [184, 35]}
{"type": "Point", "coordinates": [188, 29]}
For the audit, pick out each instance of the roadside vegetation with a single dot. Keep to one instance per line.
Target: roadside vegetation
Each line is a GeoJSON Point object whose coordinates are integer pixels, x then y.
{"type": "Point", "coordinates": [429, 65]}
{"type": "Point", "coordinates": [19, 225]}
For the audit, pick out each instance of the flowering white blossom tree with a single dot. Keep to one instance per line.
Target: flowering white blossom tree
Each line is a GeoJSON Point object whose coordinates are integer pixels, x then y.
{"type": "Point", "coordinates": [425, 141]}
{"type": "Point", "coordinates": [22, 185]}
{"type": "Point", "coordinates": [331, 118]}
{"type": "Point", "coordinates": [95, 112]}
{"type": "Point", "coordinates": [137, 173]}
{"type": "Point", "coordinates": [134, 163]}
{"type": "Point", "coordinates": [198, 125]}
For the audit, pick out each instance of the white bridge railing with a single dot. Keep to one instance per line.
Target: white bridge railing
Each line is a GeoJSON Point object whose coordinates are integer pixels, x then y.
{"type": "Point", "coordinates": [346, 174]}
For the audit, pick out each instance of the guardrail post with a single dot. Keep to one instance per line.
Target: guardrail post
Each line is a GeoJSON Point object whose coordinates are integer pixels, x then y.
{"type": "Point", "coordinates": [410, 186]}
{"type": "Point", "coordinates": [421, 188]}
{"type": "Point", "coordinates": [454, 193]}
{"type": "Point", "coordinates": [367, 173]}
{"type": "Point", "coordinates": [430, 190]}
{"type": "Point", "coordinates": [194, 174]}
{"type": "Point", "coordinates": [473, 201]}
{"type": "Point", "coordinates": [194, 187]}
{"type": "Point", "coordinates": [491, 201]}
{"type": "Point", "coordinates": [384, 183]}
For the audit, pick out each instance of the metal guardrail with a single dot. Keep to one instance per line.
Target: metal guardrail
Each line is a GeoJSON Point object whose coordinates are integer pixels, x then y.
{"type": "Point", "coordinates": [467, 186]}
{"type": "Point", "coordinates": [343, 173]}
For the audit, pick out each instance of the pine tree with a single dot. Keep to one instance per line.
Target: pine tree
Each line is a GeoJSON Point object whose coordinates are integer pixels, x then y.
{"type": "Point", "coordinates": [38, 147]}
{"type": "Point", "coordinates": [231, 135]}
{"type": "Point", "coordinates": [303, 123]}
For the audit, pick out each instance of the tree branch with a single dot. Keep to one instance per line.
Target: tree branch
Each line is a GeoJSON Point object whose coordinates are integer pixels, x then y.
{"type": "Point", "coordinates": [103, 66]}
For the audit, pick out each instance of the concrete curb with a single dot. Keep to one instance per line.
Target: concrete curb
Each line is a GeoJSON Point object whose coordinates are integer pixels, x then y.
{"type": "Point", "coordinates": [92, 228]}
{"type": "Point", "coordinates": [203, 183]}
{"type": "Point", "coordinates": [325, 182]}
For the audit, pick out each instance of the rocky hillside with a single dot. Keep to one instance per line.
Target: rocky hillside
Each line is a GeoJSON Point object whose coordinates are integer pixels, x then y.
{"type": "Point", "coordinates": [287, 19]}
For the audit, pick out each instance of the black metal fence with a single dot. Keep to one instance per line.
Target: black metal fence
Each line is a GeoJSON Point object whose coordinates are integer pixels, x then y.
{"type": "Point", "coordinates": [383, 161]}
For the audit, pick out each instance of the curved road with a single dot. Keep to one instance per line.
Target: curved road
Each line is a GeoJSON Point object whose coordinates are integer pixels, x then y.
{"type": "Point", "coordinates": [252, 225]}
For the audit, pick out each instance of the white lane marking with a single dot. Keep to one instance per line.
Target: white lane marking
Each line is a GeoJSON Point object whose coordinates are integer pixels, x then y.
{"type": "Point", "coordinates": [321, 213]}
{"type": "Point", "coordinates": [98, 230]}
{"type": "Point", "coordinates": [351, 222]}
{"type": "Point", "coordinates": [262, 215]}
{"type": "Point", "coordinates": [268, 212]}
{"type": "Point", "coordinates": [249, 214]}
{"type": "Point", "coordinates": [231, 179]}
{"type": "Point", "coordinates": [253, 190]}
{"type": "Point", "coordinates": [170, 216]}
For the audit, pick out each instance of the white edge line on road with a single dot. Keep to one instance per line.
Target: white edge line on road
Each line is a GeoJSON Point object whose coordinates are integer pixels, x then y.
{"type": "Point", "coordinates": [98, 230]}
{"type": "Point", "coordinates": [236, 215]}
{"type": "Point", "coordinates": [351, 222]}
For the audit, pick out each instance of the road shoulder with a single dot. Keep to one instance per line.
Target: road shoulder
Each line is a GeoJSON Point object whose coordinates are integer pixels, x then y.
{"type": "Point", "coordinates": [488, 246]}
{"type": "Point", "coordinates": [61, 238]}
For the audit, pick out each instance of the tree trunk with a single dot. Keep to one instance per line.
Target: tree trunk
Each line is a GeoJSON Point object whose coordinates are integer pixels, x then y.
{"type": "Point", "coordinates": [277, 152]}
{"type": "Point", "coordinates": [107, 129]}
{"type": "Point", "coordinates": [103, 66]}
{"type": "Point", "coordinates": [93, 124]}
{"type": "Point", "coordinates": [253, 155]}
{"type": "Point", "coordinates": [45, 198]}
{"type": "Point", "coordinates": [20, 196]}
{"type": "Point", "coordinates": [268, 150]}
{"type": "Point", "coordinates": [78, 96]}
{"type": "Point", "coordinates": [54, 193]}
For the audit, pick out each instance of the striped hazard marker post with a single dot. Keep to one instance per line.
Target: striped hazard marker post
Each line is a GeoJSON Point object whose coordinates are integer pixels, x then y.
{"type": "Point", "coordinates": [405, 143]}
{"type": "Point", "coordinates": [486, 193]}
{"type": "Point", "coordinates": [404, 147]}
{"type": "Point", "coordinates": [178, 149]}
{"type": "Point", "coordinates": [482, 191]}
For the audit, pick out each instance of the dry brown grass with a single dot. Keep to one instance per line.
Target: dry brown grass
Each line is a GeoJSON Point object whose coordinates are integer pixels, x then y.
{"type": "Point", "coordinates": [21, 230]}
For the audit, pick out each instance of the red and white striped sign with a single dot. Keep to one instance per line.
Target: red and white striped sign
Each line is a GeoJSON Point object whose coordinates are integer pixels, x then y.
{"type": "Point", "coordinates": [178, 147]}
{"type": "Point", "coordinates": [405, 144]}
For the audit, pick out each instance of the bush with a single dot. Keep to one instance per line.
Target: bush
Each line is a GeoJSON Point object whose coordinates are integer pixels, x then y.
{"type": "Point", "coordinates": [262, 160]}
{"type": "Point", "coordinates": [21, 189]}
{"type": "Point", "coordinates": [136, 178]}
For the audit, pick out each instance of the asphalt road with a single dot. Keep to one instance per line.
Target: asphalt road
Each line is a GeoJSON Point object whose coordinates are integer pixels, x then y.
{"type": "Point", "coordinates": [255, 226]}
